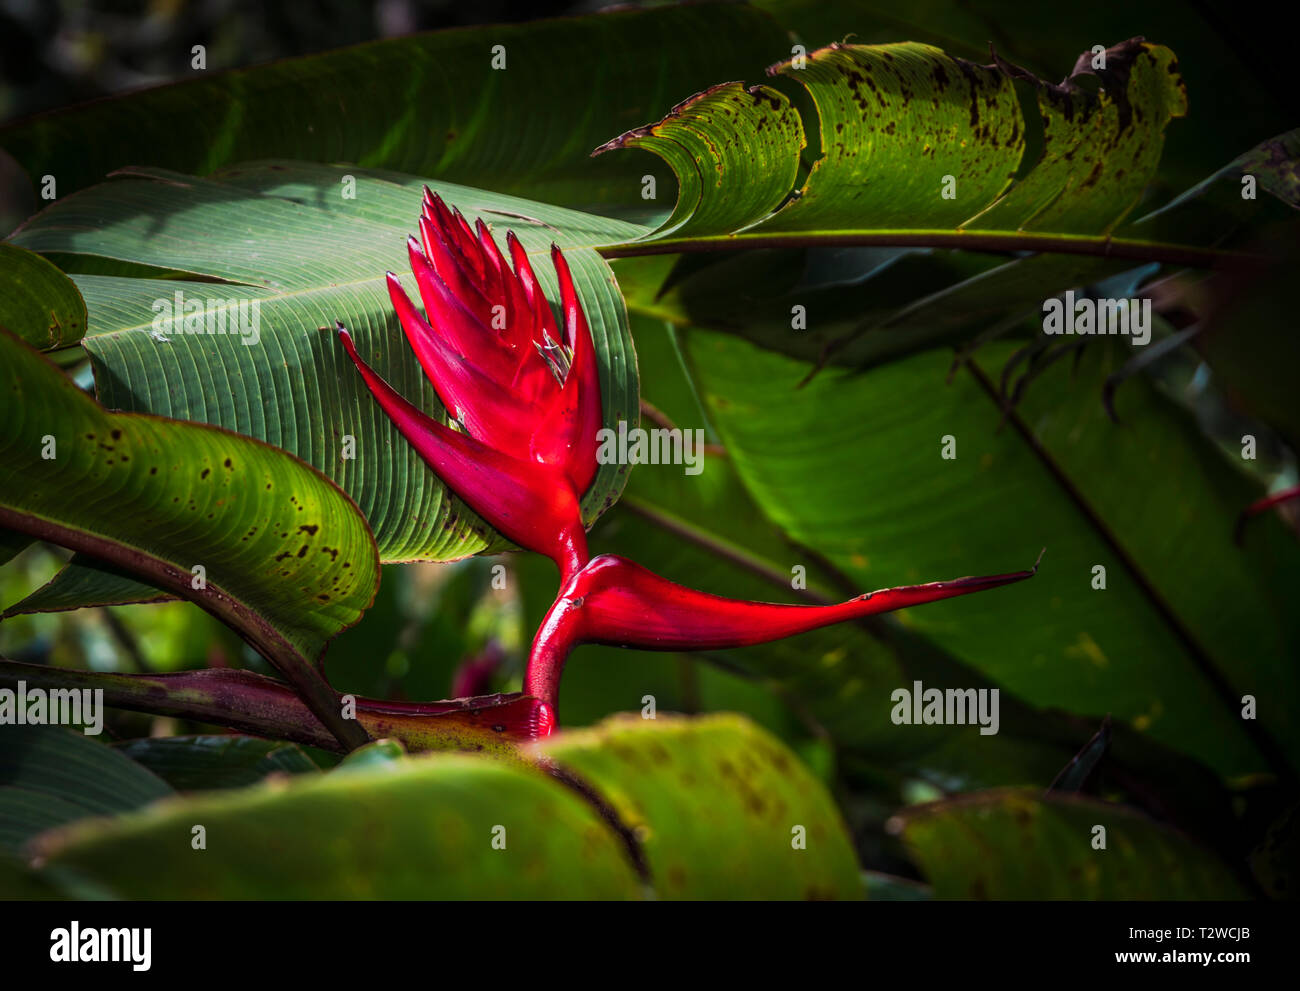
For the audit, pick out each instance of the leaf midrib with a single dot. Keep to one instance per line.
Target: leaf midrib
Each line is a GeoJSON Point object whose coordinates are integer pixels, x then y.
{"type": "Point", "coordinates": [986, 241]}
{"type": "Point", "coordinates": [1200, 655]}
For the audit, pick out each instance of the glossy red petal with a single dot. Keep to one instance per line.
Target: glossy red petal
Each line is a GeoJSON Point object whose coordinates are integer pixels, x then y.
{"type": "Point", "coordinates": [543, 317]}
{"type": "Point", "coordinates": [582, 388]}
{"type": "Point", "coordinates": [463, 331]}
{"type": "Point", "coordinates": [449, 267]}
{"type": "Point", "coordinates": [636, 607]}
{"type": "Point", "coordinates": [493, 282]}
{"type": "Point", "coordinates": [533, 379]}
{"type": "Point", "coordinates": [452, 227]}
{"type": "Point", "coordinates": [524, 272]}
{"type": "Point", "coordinates": [519, 313]}
{"type": "Point", "coordinates": [469, 247]}
{"type": "Point", "coordinates": [490, 413]}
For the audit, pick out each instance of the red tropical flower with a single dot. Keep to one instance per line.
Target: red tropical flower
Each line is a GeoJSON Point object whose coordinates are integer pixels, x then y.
{"type": "Point", "coordinates": [526, 398]}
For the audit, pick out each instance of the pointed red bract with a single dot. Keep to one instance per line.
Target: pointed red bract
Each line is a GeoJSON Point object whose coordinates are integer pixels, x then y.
{"type": "Point", "coordinates": [449, 267]}
{"type": "Point", "coordinates": [525, 459]}
{"type": "Point", "coordinates": [581, 393]}
{"type": "Point", "coordinates": [455, 233]}
{"type": "Point", "coordinates": [458, 323]}
{"type": "Point", "coordinates": [490, 413]}
{"type": "Point", "coordinates": [489, 343]}
{"type": "Point", "coordinates": [470, 249]}
{"type": "Point", "coordinates": [618, 602]}
{"type": "Point", "coordinates": [531, 504]}
{"type": "Point", "coordinates": [523, 268]}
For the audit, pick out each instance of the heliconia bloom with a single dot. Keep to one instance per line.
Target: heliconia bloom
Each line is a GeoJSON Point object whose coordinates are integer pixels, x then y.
{"type": "Point", "coordinates": [525, 391]}
{"type": "Point", "coordinates": [525, 394]}
{"type": "Point", "coordinates": [617, 602]}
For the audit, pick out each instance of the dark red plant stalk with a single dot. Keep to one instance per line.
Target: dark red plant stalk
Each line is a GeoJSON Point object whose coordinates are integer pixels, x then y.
{"type": "Point", "coordinates": [617, 602]}
{"type": "Point", "coordinates": [261, 706]}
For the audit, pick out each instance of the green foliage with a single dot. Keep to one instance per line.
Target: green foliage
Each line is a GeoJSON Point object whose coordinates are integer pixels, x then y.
{"type": "Point", "coordinates": [302, 554]}
{"type": "Point", "coordinates": [1061, 476]}
{"type": "Point", "coordinates": [197, 763]}
{"type": "Point", "coordinates": [42, 306]}
{"type": "Point", "coordinates": [676, 785]}
{"type": "Point", "coordinates": [451, 826]}
{"type": "Point", "coordinates": [307, 245]}
{"type": "Point", "coordinates": [1056, 848]}
{"type": "Point", "coordinates": [430, 105]}
{"type": "Point", "coordinates": [918, 147]}
{"type": "Point", "coordinates": [52, 776]}
{"type": "Point", "coordinates": [84, 582]}
{"type": "Point", "coordinates": [914, 208]}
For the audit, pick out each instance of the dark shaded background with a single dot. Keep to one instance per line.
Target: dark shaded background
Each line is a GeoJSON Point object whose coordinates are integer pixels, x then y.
{"type": "Point", "coordinates": [57, 52]}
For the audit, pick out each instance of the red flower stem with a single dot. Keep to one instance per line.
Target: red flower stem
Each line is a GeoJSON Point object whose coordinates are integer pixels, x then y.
{"type": "Point", "coordinates": [560, 632]}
